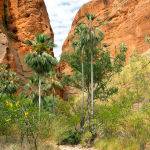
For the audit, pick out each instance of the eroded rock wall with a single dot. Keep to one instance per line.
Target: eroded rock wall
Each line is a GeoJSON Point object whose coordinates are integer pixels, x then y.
{"type": "Point", "coordinates": [126, 21]}
{"type": "Point", "coordinates": [3, 37]}
{"type": "Point", "coordinates": [21, 20]}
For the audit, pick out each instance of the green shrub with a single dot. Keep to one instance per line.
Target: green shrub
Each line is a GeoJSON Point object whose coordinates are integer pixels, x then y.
{"type": "Point", "coordinates": [136, 126]}
{"type": "Point", "coordinates": [9, 81]}
{"type": "Point", "coordinates": [109, 116]}
{"type": "Point", "coordinates": [116, 144]}
{"type": "Point", "coordinates": [62, 131]}
{"type": "Point", "coordinates": [118, 118]}
{"type": "Point", "coordinates": [71, 137]}
{"type": "Point", "coordinates": [86, 138]}
{"type": "Point", "coordinates": [7, 119]}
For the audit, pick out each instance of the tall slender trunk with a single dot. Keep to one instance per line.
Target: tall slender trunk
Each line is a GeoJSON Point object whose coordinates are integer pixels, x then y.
{"type": "Point", "coordinates": [92, 77]}
{"type": "Point", "coordinates": [89, 110]}
{"type": "Point", "coordinates": [53, 107]}
{"type": "Point", "coordinates": [142, 146]}
{"type": "Point", "coordinates": [39, 97]}
{"type": "Point", "coordinates": [82, 113]}
{"type": "Point", "coordinates": [92, 94]}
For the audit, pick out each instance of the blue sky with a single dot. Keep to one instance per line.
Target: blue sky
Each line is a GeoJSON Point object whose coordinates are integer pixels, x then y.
{"type": "Point", "coordinates": [61, 13]}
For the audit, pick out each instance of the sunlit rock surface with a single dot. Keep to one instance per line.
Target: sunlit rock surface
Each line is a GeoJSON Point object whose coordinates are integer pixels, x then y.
{"type": "Point", "coordinates": [127, 21]}
{"type": "Point", "coordinates": [21, 20]}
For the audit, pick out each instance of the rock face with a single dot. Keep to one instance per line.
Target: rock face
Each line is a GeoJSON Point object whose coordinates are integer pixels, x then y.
{"type": "Point", "coordinates": [125, 21]}
{"type": "Point", "coordinates": [20, 20]}
{"type": "Point", "coordinates": [3, 38]}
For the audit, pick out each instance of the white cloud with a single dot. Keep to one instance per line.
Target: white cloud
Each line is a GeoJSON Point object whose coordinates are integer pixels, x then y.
{"type": "Point", "coordinates": [61, 14]}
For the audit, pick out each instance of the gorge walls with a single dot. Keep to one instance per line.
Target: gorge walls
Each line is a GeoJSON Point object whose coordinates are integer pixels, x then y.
{"type": "Point", "coordinates": [20, 20]}
{"type": "Point", "coordinates": [125, 21]}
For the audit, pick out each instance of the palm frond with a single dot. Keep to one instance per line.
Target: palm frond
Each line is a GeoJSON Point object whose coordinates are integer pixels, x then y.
{"type": "Point", "coordinates": [28, 42]}
{"type": "Point", "coordinates": [41, 43]}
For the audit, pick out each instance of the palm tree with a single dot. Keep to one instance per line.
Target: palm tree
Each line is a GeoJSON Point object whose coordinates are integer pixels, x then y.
{"type": "Point", "coordinates": [82, 115]}
{"type": "Point", "coordinates": [80, 31]}
{"type": "Point", "coordinates": [39, 60]}
{"type": "Point", "coordinates": [90, 18]}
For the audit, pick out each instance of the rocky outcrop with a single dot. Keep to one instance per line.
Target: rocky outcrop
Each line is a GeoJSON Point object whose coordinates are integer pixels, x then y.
{"type": "Point", "coordinates": [20, 20]}
{"type": "Point", "coordinates": [121, 20]}
{"type": "Point", "coordinates": [3, 38]}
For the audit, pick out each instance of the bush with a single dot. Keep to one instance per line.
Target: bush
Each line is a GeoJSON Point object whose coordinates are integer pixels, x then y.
{"type": "Point", "coordinates": [86, 138]}
{"type": "Point", "coordinates": [71, 137]}
{"type": "Point", "coordinates": [109, 116]}
{"type": "Point", "coordinates": [136, 126]}
{"type": "Point", "coordinates": [20, 118]}
{"type": "Point", "coordinates": [61, 132]}
{"type": "Point", "coordinates": [7, 119]}
{"type": "Point", "coordinates": [119, 118]}
{"type": "Point", "coordinates": [116, 144]}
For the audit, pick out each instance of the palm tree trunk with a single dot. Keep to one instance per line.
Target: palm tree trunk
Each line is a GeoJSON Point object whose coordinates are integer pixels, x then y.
{"type": "Point", "coordinates": [92, 95]}
{"type": "Point", "coordinates": [39, 97]}
{"type": "Point", "coordinates": [142, 146]}
{"type": "Point", "coordinates": [53, 107]}
{"type": "Point", "coordinates": [92, 77]}
{"type": "Point", "coordinates": [89, 109]}
{"type": "Point", "coordinates": [82, 113]}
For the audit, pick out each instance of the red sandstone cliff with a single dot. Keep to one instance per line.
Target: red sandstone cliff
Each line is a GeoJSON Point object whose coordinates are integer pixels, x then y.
{"type": "Point", "coordinates": [127, 21]}
{"type": "Point", "coordinates": [20, 20]}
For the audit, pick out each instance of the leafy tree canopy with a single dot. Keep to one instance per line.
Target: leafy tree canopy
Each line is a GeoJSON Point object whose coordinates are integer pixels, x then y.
{"type": "Point", "coordinates": [9, 81]}
{"type": "Point", "coordinates": [89, 40]}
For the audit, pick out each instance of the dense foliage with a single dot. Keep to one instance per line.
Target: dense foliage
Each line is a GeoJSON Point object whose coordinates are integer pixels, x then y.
{"type": "Point", "coordinates": [9, 82]}
{"type": "Point", "coordinates": [92, 68]}
{"type": "Point", "coordinates": [39, 60]}
{"type": "Point", "coordinates": [121, 99]}
{"type": "Point", "coordinates": [124, 121]}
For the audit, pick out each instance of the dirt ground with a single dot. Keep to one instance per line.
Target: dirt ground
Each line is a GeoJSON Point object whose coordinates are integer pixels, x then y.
{"type": "Point", "coordinates": [63, 147]}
